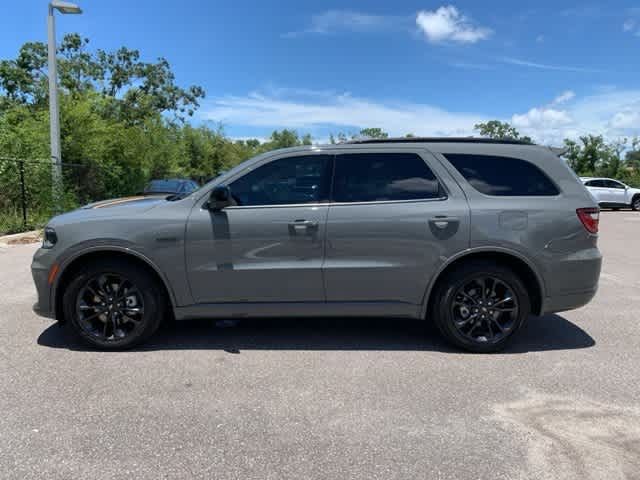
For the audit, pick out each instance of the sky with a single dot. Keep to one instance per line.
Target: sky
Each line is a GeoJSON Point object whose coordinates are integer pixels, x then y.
{"type": "Point", "coordinates": [553, 69]}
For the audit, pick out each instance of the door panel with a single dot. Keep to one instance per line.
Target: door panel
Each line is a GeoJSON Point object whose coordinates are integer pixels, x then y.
{"type": "Point", "coordinates": [268, 246]}
{"type": "Point", "coordinates": [388, 243]}
{"type": "Point", "coordinates": [389, 252]}
{"type": "Point", "coordinates": [260, 254]}
{"type": "Point", "coordinates": [616, 192]}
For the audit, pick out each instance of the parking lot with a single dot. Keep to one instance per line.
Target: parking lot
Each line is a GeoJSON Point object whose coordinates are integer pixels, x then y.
{"type": "Point", "coordinates": [328, 398]}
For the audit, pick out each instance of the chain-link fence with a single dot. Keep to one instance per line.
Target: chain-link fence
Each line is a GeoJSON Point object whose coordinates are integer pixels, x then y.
{"type": "Point", "coordinates": [27, 197]}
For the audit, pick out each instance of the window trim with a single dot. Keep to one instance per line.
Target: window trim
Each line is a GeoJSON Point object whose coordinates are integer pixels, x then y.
{"type": "Point", "coordinates": [475, 190]}
{"type": "Point", "coordinates": [329, 202]}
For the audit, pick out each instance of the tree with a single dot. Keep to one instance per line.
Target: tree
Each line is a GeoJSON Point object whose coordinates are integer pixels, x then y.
{"type": "Point", "coordinates": [591, 155]}
{"type": "Point", "coordinates": [135, 89]}
{"type": "Point", "coordinates": [374, 132]}
{"type": "Point", "coordinates": [500, 130]}
{"type": "Point", "coordinates": [632, 157]}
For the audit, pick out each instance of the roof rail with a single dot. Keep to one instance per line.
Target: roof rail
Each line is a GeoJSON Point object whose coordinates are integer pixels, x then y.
{"type": "Point", "coordinates": [505, 141]}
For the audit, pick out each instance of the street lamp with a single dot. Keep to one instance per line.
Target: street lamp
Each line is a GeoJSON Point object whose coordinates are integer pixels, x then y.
{"type": "Point", "coordinates": [56, 156]}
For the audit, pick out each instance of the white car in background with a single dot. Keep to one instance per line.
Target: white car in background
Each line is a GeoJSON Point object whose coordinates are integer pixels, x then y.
{"type": "Point", "coordinates": [611, 193]}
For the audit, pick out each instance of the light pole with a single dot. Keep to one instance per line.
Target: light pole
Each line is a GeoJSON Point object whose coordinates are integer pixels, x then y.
{"type": "Point", "coordinates": [54, 120]}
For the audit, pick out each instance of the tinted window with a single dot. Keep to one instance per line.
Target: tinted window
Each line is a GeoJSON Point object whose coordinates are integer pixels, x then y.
{"type": "Point", "coordinates": [286, 181]}
{"type": "Point", "coordinates": [368, 177]}
{"type": "Point", "coordinates": [502, 176]}
{"type": "Point", "coordinates": [163, 186]}
{"type": "Point", "coordinates": [613, 184]}
{"type": "Point", "coordinates": [595, 183]}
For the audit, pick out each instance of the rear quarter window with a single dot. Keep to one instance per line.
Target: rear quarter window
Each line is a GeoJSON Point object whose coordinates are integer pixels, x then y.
{"type": "Point", "coordinates": [503, 176]}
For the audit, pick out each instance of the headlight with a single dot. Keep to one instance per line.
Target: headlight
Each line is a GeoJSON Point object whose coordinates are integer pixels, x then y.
{"type": "Point", "coordinates": [50, 238]}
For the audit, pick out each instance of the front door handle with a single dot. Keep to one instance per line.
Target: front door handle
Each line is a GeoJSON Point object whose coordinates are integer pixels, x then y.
{"type": "Point", "coordinates": [302, 227]}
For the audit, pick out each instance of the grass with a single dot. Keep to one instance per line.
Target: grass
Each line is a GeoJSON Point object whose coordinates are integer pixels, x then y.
{"type": "Point", "coordinates": [11, 220]}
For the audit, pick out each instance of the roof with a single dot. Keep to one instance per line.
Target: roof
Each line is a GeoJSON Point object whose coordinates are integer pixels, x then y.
{"type": "Point", "coordinates": [506, 141]}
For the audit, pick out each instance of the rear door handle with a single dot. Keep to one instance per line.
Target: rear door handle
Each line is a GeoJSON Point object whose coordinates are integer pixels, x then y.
{"type": "Point", "coordinates": [443, 221]}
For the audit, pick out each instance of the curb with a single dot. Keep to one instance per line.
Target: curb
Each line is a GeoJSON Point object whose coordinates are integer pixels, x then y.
{"type": "Point", "coordinates": [32, 236]}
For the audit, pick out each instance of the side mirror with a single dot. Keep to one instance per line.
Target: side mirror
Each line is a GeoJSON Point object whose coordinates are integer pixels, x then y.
{"type": "Point", "coordinates": [220, 197]}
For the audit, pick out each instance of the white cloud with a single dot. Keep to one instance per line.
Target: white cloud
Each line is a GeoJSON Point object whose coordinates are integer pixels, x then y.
{"type": "Point", "coordinates": [631, 25]}
{"type": "Point", "coordinates": [541, 118]}
{"type": "Point", "coordinates": [333, 21]}
{"type": "Point", "coordinates": [626, 119]}
{"type": "Point", "coordinates": [564, 97]}
{"type": "Point", "coordinates": [545, 66]}
{"type": "Point", "coordinates": [447, 24]}
{"type": "Point", "coordinates": [612, 113]}
{"type": "Point", "coordinates": [322, 110]}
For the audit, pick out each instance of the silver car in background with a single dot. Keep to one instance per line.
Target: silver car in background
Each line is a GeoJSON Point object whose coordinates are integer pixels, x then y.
{"type": "Point", "coordinates": [474, 235]}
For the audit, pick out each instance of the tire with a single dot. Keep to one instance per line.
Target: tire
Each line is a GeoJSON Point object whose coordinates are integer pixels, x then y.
{"type": "Point", "coordinates": [635, 203]}
{"type": "Point", "coordinates": [111, 315]}
{"type": "Point", "coordinates": [493, 332]}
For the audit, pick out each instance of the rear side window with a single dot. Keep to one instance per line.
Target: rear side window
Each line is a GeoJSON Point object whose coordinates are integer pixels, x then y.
{"type": "Point", "coordinates": [370, 177]}
{"type": "Point", "coordinates": [613, 184]}
{"type": "Point", "coordinates": [502, 176]}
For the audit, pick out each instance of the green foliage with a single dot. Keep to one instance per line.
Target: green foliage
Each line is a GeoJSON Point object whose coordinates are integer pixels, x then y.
{"type": "Point", "coordinates": [592, 156]}
{"type": "Point", "coordinates": [373, 133]}
{"type": "Point", "coordinates": [501, 131]}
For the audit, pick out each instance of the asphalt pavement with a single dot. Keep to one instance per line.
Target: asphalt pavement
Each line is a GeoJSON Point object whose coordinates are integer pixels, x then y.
{"type": "Point", "coordinates": [328, 399]}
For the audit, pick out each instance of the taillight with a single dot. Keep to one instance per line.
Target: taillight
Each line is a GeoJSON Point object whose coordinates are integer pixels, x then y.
{"type": "Point", "coordinates": [590, 218]}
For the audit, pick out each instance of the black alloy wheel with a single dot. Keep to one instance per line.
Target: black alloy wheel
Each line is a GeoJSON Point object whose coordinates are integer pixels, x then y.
{"type": "Point", "coordinates": [479, 305]}
{"type": "Point", "coordinates": [114, 304]}
{"type": "Point", "coordinates": [484, 310]}
{"type": "Point", "coordinates": [110, 307]}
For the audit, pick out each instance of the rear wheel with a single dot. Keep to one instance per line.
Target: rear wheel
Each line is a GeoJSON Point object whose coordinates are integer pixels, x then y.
{"type": "Point", "coordinates": [113, 305]}
{"type": "Point", "coordinates": [479, 306]}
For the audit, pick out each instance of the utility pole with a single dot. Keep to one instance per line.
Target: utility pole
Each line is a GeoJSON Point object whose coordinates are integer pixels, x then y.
{"type": "Point", "coordinates": [54, 115]}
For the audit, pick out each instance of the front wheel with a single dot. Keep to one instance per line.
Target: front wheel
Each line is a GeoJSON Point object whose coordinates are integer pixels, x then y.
{"type": "Point", "coordinates": [635, 204]}
{"type": "Point", "coordinates": [479, 306]}
{"type": "Point", "coordinates": [113, 305]}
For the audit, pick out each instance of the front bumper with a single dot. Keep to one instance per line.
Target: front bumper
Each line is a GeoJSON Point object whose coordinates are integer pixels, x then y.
{"type": "Point", "coordinates": [40, 273]}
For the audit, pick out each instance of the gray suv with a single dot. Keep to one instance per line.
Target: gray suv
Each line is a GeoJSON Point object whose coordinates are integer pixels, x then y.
{"type": "Point", "coordinates": [472, 234]}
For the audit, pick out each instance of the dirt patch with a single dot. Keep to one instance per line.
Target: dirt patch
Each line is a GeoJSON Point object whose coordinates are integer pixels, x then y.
{"type": "Point", "coordinates": [576, 439]}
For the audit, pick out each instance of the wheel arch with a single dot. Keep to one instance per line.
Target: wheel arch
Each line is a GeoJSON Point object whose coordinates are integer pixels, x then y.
{"type": "Point", "coordinates": [520, 265]}
{"type": "Point", "coordinates": [74, 263]}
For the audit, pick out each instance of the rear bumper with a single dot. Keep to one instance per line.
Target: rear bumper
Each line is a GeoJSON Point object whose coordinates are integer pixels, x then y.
{"type": "Point", "coordinates": [561, 303]}
{"type": "Point", "coordinates": [573, 281]}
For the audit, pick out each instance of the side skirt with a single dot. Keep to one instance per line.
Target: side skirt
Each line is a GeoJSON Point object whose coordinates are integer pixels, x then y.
{"type": "Point", "coordinates": [298, 309]}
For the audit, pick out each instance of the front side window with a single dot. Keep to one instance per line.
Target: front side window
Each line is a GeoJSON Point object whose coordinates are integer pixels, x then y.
{"type": "Point", "coordinates": [502, 176]}
{"type": "Point", "coordinates": [596, 183]}
{"type": "Point", "coordinates": [285, 181]}
{"type": "Point", "coordinates": [369, 177]}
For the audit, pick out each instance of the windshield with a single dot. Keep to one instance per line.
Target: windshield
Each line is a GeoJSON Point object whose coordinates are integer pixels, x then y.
{"type": "Point", "coordinates": [163, 186]}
